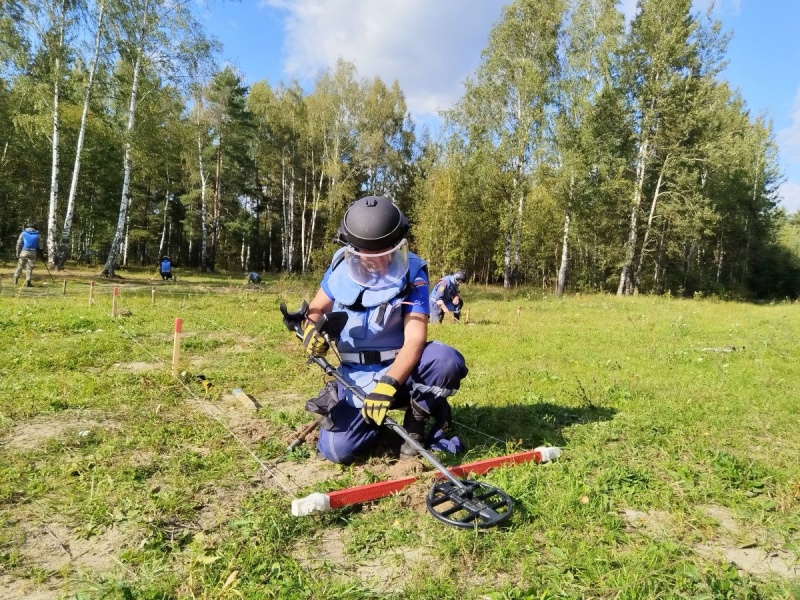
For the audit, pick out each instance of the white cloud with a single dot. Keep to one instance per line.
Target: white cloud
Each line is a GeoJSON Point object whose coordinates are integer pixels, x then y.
{"type": "Point", "coordinates": [430, 47]}
{"type": "Point", "coordinates": [790, 196]}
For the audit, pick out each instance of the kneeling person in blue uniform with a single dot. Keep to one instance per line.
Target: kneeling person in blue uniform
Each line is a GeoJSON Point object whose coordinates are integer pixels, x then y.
{"type": "Point", "coordinates": [446, 297]}
{"type": "Point", "coordinates": [383, 347]}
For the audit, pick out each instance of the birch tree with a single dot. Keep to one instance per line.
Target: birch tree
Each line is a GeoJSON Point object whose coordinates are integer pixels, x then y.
{"type": "Point", "coordinates": [162, 35]}
{"type": "Point", "coordinates": [664, 65]}
{"type": "Point", "coordinates": [66, 232]}
{"type": "Point", "coordinates": [593, 37]}
{"type": "Point", "coordinates": [508, 106]}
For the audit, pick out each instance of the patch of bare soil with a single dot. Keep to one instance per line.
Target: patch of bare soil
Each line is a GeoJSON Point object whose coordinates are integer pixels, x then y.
{"type": "Point", "coordinates": [746, 547]}
{"type": "Point", "coordinates": [655, 523]}
{"type": "Point", "coordinates": [52, 547]}
{"type": "Point", "coordinates": [59, 550]}
{"type": "Point", "coordinates": [138, 367]}
{"type": "Point", "coordinates": [12, 588]}
{"type": "Point", "coordinates": [384, 573]}
{"type": "Point", "coordinates": [36, 432]}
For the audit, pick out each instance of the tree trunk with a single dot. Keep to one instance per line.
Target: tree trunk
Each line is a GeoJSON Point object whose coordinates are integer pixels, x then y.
{"type": "Point", "coordinates": [215, 232]}
{"type": "Point", "coordinates": [163, 230]}
{"type": "Point", "coordinates": [640, 260]}
{"type": "Point", "coordinates": [53, 205]}
{"type": "Point", "coordinates": [630, 244]}
{"type": "Point", "coordinates": [125, 242]}
{"type": "Point", "coordinates": [561, 284]}
{"type": "Point", "coordinates": [507, 260]}
{"type": "Point", "coordinates": [108, 269]}
{"type": "Point", "coordinates": [66, 232]}
{"type": "Point", "coordinates": [203, 211]}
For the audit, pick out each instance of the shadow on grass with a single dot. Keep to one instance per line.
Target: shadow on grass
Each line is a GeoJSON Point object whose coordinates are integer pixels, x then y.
{"type": "Point", "coordinates": [527, 425]}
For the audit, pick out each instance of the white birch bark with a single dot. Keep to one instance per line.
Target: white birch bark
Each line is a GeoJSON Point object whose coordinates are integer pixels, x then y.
{"type": "Point", "coordinates": [113, 254]}
{"type": "Point", "coordinates": [561, 282]}
{"type": "Point", "coordinates": [66, 232]}
{"type": "Point", "coordinates": [163, 229]}
{"type": "Point", "coordinates": [53, 204]}
{"type": "Point", "coordinates": [203, 209]}
{"type": "Point", "coordinates": [640, 260]}
{"type": "Point", "coordinates": [630, 244]}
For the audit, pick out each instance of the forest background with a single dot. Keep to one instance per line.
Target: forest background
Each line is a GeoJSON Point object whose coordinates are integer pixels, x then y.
{"type": "Point", "coordinates": [583, 155]}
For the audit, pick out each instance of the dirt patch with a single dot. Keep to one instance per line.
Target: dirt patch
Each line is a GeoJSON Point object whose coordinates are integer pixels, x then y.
{"type": "Point", "coordinates": [15, 589]}
{"type": "Point", "coordinates": [52, 547]}
{"type": "Point", "coordinates": [656, 523]}
{"type": "Point", "coordinates": [747, 548]}
{"type": "Point", "coordinates": [384, 573]}
{"type": "Point", "coordinates": [36, 432]}
{"type": "Point", "coordinates": [139, 367]}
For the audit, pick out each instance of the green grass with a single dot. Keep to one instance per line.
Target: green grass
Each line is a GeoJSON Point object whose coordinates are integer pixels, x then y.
{"type": "Point", "coordinates": [680, 459]}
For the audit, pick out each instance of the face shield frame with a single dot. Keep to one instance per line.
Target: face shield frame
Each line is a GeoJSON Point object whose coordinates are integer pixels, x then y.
{"type": "Point", "coordinates": [377, 270]}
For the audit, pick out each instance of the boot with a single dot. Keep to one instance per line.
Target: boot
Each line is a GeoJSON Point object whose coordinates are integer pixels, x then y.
{"type": "Point", "coordinates": [16, 280]}
{"type": "Point", "coordinates": [28, 283]}
{"type": "Point", "coordinates": [416, 431]}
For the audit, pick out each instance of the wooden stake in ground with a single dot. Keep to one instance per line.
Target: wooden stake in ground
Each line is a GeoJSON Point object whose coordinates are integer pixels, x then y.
{"type": "Point", "coordinates": [114, 297]}
{"type": "Point", "coordinates": [153, 296]}
{"type": "Point", "coordinates": [91, 293]}
{"type": "Point", "coordinates": [176, 346]}
{"type": "Point", "coordinates": [64, 291]}
{"type": "Point", "coordinates": [246, 399]}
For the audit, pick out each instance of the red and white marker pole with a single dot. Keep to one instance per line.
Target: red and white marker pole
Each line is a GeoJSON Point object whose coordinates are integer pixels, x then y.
{"type": "Point", "coordinates": [321, 502]}
{"type": "Point", "coordinates": [176, 346]}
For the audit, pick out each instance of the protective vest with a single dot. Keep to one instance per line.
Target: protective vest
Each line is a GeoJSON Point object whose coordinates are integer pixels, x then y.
{"type": "Point", "coordinates": [166, 266]}
{"type": "Point", "coordinates": [374, 319]}
{"type": "Point", "coordinates": [30, 239]}
{"type": "Point", "coordinates": [450, 289]}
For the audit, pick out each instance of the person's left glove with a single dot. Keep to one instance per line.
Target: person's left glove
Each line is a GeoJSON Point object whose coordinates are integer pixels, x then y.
{"type": "Point", "coordinates": [378, 401]}
{"type": "Point", "coordinates": [313, 342]}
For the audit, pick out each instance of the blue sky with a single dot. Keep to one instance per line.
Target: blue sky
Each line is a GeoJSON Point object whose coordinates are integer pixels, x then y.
{"type": "Point", "coordinates": [431, 46]}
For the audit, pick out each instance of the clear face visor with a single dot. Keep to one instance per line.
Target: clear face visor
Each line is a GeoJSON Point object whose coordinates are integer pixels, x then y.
{"type": "Point", "coordinates": [377, 270]}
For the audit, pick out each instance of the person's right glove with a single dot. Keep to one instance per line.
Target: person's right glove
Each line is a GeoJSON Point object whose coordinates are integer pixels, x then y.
{"type": "Point", "coordinates": [313, 342]}
{"type": "Point", "coordinates": [378, 401]}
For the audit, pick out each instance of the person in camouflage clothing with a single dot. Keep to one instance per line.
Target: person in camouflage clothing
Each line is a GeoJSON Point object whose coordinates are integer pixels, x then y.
{"type": "Point", "coordinates": [27, 247]}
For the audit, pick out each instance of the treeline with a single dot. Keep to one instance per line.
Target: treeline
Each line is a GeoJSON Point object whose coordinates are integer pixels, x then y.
{"type": "Point", "coordinates": [581, 156]}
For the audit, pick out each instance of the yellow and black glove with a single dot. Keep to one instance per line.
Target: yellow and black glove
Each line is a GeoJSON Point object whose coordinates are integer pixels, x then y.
{"type": "Point", "coordinates": [379, 400]}
{"type": "Point", "coordinates": [313, 342]}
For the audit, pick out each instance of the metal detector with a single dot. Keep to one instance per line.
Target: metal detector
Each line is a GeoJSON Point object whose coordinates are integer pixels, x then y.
{"type": "Point", "coordinates": [458, 502]}
{"type": "Point", "coordinates": [44, 260]}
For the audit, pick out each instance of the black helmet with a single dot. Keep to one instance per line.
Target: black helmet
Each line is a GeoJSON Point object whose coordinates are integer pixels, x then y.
{"type": "Point", "coordinates": [460, 276]}
{"type": "Point", "coordinates": [30, 225]}
{"type": "Point", "coordinates": [373, 223]}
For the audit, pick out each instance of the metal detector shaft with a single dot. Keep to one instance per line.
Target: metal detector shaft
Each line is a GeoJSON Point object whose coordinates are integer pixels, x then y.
{"type": "Point", "coordinates": [400, 430]}
{"type": "Point", "coordinates": [44, 260]}
{"type": "Point", "coordinates": [388, 421]}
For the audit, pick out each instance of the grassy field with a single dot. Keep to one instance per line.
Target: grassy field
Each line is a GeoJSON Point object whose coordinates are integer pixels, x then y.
{"type": "Point", "coordinates": [678, 419]}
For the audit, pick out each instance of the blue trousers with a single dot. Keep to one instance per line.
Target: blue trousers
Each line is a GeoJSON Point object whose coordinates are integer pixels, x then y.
{"type": "Point", "coordinates": [437, 376]}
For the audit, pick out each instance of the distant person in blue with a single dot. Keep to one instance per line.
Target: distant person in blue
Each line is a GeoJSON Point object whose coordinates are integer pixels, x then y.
{"type": "Point", "coordinates": [165, 268]}
{"type": "Point", "coordinates": [28, 245]}
{"type": "Point", "coordinates": [253, 277]}
{"type": "Point", "coordinates": [383, 347]}
{"type": "Point", "coordinates": [446, 297]}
